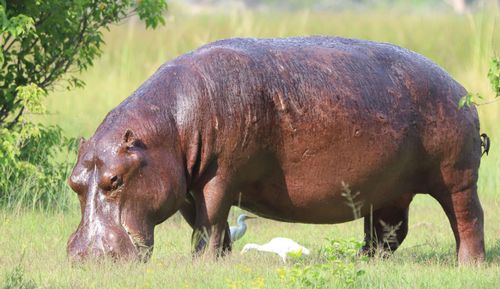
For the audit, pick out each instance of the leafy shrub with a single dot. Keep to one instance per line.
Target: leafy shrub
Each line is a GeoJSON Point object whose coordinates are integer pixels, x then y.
{"type": "Point", "coordinates": [17, 280]}
{"type": "Point", "coordinates": [40, 41]}
{"type": "Point", "coordinates": [30, 174]}
{"type": "Point", "coordinates": [338, 267]}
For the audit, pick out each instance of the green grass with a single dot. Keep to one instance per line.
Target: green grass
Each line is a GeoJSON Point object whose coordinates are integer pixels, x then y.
{"type": "Point", "coordinates": [425, 260]}
{"type": "Point", "coordinates": [36, 240]}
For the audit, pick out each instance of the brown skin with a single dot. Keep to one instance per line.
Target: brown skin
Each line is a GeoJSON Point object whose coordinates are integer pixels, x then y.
{"type": "Point", "coordinates": [276, 126]}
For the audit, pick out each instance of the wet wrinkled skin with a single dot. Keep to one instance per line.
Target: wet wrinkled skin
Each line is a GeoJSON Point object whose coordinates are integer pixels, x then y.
{"type": "Point", "coordinates": [276, 126]}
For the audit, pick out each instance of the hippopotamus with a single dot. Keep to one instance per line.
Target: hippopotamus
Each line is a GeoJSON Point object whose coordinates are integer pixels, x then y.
{"type": "Point", "coordinates": [317, 130]}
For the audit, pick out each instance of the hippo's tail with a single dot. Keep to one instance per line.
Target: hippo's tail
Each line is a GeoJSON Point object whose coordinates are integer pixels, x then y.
{"type": "Point", "coordinates": [485, 143]}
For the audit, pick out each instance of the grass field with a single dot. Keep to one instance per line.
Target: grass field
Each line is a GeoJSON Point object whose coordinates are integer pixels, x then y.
{"type": "Point", "coordinates": [425, 260]}
{"type": "Point", "coordinates": [35, 241]}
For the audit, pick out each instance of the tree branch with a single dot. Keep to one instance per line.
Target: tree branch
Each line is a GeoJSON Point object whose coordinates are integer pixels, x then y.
{"type": "Point", "coordinates": [16, 119]}
{"type": "Point", "coordinates": [61, 63]}
{"type": "Point", "coordinates": [6, 41]}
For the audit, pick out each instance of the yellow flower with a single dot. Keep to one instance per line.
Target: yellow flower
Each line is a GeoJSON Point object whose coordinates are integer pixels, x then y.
{"type": "Point", "coordinates": [234, 284]}
{"type": "Point", "coordinates": [258, 283]}
{"type": "Point", "coordinates": [245, 269]}
{"type": "Point", "coordinates": [281, 273]}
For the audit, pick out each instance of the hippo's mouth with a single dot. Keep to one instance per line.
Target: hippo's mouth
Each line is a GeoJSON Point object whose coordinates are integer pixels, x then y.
{"type": "Point", "coordinates": [144, 251]}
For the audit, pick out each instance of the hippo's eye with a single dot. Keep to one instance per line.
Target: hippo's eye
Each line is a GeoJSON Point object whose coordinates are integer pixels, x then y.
{"type": "Point", "coordinates": [110, 182]}
{"type": "Point", "coordinates": [115, 182]}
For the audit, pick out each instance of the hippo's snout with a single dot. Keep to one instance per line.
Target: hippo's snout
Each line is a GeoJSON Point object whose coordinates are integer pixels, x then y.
{"type": "Point", "coordinates": [88, 243]}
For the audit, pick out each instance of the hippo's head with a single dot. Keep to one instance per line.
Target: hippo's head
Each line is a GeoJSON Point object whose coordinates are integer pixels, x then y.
{"type": "Point", "coordinates": [126, 185]}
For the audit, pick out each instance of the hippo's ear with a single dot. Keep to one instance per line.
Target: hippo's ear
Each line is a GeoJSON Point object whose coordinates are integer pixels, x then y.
{"type": "Point", "coordinates": [81, 143]}
{"type": "Point", "coordinates": [130, 140]}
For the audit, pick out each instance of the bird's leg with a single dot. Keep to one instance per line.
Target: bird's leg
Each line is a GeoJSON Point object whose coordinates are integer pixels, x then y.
{"type": "Point", "coordinates": [211, 230]}
{"type": "Point", "coordinates": [283, 257]}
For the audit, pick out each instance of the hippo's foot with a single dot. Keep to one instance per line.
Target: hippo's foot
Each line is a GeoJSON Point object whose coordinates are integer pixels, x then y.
{"type": "Point", "coordinates": [374, 250]}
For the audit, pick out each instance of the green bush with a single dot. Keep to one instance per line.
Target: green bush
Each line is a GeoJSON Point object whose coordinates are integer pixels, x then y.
{"type": "Point", "coordinates": [338, 267]}
{"type": "Point", "coordinates": [30, 174]}
{"type": "Point", "coordinates": [17, 280]}
{"type": "Point", "coordinates": [41, 41]}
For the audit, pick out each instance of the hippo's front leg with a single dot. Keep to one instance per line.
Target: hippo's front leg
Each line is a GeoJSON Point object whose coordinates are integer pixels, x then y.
{"type": "Point", "coordinates": [211, 209]}
{"type": "Point", "coordinates": [198, 243]}
{"type": "Point", "coordinates": [188, 211]}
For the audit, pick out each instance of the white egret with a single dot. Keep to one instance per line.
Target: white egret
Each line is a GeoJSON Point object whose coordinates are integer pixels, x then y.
{"type": "Point", "coordinates": [238, 231]}
{"type": "Point", "coordinates": [281, 246]}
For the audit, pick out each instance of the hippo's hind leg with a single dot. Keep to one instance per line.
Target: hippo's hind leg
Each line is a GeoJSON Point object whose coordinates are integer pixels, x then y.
{"type": "Point", "coordinates": [386, 228]}
{"type": "Point", "coordinates": [453, 183]}
{"type": "Point", "coordinates": [461, 204]}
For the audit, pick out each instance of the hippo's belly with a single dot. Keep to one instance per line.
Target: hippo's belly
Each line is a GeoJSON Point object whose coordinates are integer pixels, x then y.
{"type": "Point", "coordinates": [308, 180]}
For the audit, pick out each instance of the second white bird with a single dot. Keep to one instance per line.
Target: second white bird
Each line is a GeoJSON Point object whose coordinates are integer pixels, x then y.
{"type": "Point", "coordinates": [281, 246]}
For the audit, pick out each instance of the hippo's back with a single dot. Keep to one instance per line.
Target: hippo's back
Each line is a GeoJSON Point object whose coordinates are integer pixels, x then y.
{"type": "Point", "coordinates": [314, 74]}
{"type": "Point", "coordinates": [327, 84]}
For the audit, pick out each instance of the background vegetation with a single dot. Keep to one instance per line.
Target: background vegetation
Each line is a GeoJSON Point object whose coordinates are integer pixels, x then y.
{"type": "Point", "coordinates": [40, 42]}
{"type": "Point", "coordinates": [32, 242]}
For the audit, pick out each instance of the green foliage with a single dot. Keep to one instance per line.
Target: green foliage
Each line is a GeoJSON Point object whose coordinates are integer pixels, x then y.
{"type": "Point", "coordinates": [466, 100]}
{"type": "Point", "coordinates": [41, 41]}
{"type": "Point", "coordinates": [30, 173]}
{"type": "Point", "coordinates": [17, 280]}
{"type": "Point", "coordinates": [151, 11]}
{"type": "Point", "coordinates": [493, 76]}
{"type": "Point", "coordinates": [338, 267]}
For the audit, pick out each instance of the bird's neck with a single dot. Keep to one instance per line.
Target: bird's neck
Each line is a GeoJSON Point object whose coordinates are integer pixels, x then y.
{"type": "Point", "coordinates": [242, 224]}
